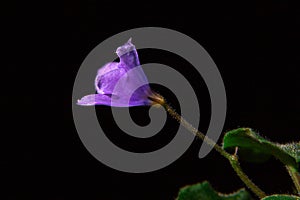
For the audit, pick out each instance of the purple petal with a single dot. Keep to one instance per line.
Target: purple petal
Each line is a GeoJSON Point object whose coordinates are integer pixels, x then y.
{"type": "Point", "coordinates": [128, 55]}
{"type": "Point", "coordinates": [100, 99]}
{"type": "Point", "coordinates": [107, 77]}
{"type": "Point", "coordinates": [133, 87]}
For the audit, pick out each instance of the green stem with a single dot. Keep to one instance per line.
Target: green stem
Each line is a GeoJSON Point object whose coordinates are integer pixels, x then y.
{"type": "Point", "coordinates": [295, 177]}
{"type": "Point", "coordinates": [233, 159]}
{"type": "Point", "coordinates": [237, 168]}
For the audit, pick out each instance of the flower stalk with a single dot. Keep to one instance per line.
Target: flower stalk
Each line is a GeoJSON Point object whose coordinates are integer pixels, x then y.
{"type": "Point", "coordinates": [233, 159]}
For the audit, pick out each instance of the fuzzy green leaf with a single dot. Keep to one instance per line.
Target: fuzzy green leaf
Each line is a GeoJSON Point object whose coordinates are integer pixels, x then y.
{"type": "Point", "coordinates": [254, 148]}
{"type": "Point", "coordinates": [281, 197]}
{"type": "Point", "coordinates": [204, 191]}
{"type": "Point", "coordinates": [292, 149]}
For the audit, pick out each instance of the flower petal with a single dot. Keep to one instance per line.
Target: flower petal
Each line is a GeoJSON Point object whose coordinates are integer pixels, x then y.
{"type": "Point", "coordinates": [128, 55]}
{"type": "Point", "coordinates": [100, 99]}
{"type": "Point", "coordinates": [120, 84]}
{"type": "Point", "coordinates": [107, 77]}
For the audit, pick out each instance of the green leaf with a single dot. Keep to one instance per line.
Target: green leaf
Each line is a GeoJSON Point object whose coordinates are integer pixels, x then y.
{"type": "Point", "coordinates": [281, 197]}
{"type": "Point", "coordinates": [254, 148]}
{"type": "Point", "coordinates": [292, 149]}
{"type": "Point", "coordinates": [204, 191]}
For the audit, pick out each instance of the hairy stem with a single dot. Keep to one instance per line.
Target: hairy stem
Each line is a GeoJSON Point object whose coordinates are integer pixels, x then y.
{"type": "Point", "coordinates": [233, 159]}
{"type": "Point", "coordinates": [237, 168]}
{"type": "Point", "coordinates": [295, 177]}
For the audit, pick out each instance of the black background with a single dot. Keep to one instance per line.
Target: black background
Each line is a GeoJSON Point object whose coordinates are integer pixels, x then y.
{"type": "Point", "coordinates": [255, 47]}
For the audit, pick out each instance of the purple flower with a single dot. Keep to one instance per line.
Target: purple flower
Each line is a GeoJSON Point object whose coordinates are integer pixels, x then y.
{"type": "Point", "coordinates": [122, 84]}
